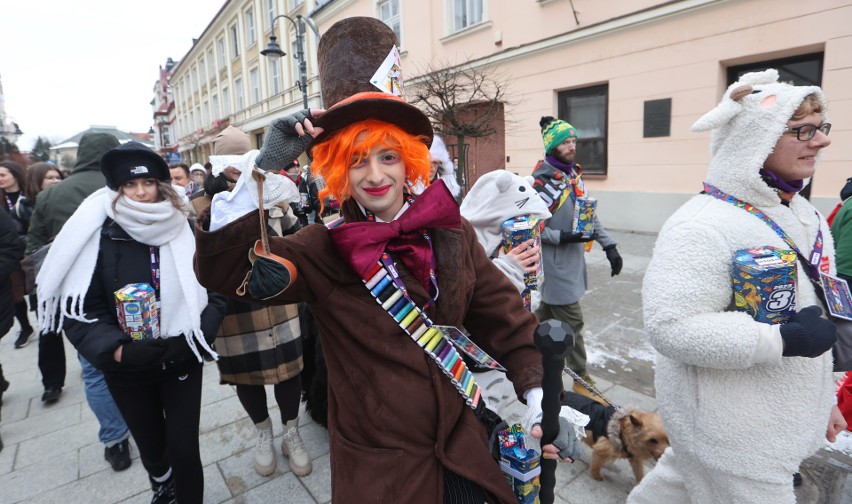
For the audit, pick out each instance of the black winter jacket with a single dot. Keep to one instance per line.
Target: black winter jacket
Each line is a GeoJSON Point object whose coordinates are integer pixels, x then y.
{"type": "Point", "coordinates": [11, 251]}
{"type": "Point", "coordinates": [122, 261]}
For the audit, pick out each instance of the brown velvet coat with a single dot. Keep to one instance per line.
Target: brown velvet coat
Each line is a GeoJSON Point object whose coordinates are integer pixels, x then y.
{"type": "Point", "coordinates": [394, 419]}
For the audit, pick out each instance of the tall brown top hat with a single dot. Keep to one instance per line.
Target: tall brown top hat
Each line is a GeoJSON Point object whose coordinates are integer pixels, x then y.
{"type": "Point", "coordinates": [350, 53]}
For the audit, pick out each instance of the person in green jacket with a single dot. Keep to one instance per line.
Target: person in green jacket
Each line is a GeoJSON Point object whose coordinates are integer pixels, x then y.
{"type": "Point", "coordinates": [841, 230]}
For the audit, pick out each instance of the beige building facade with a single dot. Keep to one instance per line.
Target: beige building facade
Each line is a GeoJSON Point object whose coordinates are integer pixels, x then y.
{"type": "Point", "coordinates": [631, 76]}
{"type": "Point", "coordinates": [616, 69]}
{"type": "Point", "coordinates": [225, 80]}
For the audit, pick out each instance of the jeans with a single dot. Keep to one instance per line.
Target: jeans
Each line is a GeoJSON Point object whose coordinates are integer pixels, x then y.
{"type": "Point", "coordinates": [113, 429]}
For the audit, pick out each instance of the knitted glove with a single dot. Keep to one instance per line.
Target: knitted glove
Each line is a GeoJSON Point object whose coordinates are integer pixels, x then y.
{"type": "Point", "coordinates": [143, 353]}
{"type": "Point", "coordinates": [807, 334]}
{"type": "Point", "coordinates": [570, 237]}
{"type": "Point", "coordinates": [614, 259]}
{"type": "Point", "coordinates": [571, 425]}
{"type": "Point", "coordinates": [282, 144]}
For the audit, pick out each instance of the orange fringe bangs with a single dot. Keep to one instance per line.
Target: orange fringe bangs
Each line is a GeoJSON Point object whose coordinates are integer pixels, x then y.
{"type": "Point", "coordinates": [334, 157]}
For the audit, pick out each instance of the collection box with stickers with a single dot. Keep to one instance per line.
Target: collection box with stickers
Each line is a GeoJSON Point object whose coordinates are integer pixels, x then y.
{"type": "Point", "coordinates": [138, 314]}
{"type": "Point", "coordinates": [515, 231]}
{"type": "Point", "coordinates": [764, 283]}
{"type": "Point", "coordinates": [584, 216]}
{"type": "Point", "coordinates": [520, 465]}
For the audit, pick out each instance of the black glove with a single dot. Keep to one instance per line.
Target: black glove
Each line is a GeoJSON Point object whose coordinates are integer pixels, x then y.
{"type": "Point", "coordinates": [570, 237]}
{"type": "Point", "coordinates": [177, 352]}
{"type": "Point", "coordinates": [145, 352]}
{"type": "Point", "coordinates": [807, 334]}
{"type": "Point", "coordinates": [614, 259]}
{"type": "Point", "coordinates": [282, 144]}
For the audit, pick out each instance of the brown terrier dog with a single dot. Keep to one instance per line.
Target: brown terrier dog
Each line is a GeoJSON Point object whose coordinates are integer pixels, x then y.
{"type": "Point", "coordinates": [613, 433]}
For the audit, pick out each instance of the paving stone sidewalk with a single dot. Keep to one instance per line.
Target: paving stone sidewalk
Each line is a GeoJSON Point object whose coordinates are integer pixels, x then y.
{"type": "Point", "coordinates": [52, 454]}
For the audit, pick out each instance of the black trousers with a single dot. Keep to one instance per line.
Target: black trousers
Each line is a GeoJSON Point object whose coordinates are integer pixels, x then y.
{"type": "Point", "coordinates": [460, 490]}
{"type": "Point", "coordinates": [51, 360]}
{"type": "Point", "coordinates": [21, 314]}
{"type": "Point", "coordinates": [287, 395]}
{"type": "Point", "coordinates": [163, 418]}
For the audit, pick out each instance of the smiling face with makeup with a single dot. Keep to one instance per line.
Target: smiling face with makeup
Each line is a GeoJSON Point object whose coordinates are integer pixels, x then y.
{"type": "Point", "coordinates": [377, 180]}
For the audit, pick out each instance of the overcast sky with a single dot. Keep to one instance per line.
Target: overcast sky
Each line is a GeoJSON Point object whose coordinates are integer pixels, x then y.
{"type": "Point", "coordinates": [68, 64]}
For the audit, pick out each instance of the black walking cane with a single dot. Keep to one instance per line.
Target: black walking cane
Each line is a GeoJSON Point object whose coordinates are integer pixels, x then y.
{"type": "Point", "coordinates": [554, 340]}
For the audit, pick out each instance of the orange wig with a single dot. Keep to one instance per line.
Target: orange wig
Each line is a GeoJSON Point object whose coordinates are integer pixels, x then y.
{"type": "Point", "coordinates": [334, 157]}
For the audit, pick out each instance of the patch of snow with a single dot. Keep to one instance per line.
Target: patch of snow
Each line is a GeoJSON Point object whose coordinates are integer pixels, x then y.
{"type": "Point", "coordinates": [842, 445]}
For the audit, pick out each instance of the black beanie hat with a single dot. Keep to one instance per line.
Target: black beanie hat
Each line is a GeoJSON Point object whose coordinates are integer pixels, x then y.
{"type": "Point", "coordinates": [132, 160]}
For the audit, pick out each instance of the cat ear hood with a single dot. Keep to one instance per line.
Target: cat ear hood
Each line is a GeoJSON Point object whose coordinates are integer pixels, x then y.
{"type": "Point", "coordinates": [495, 197]}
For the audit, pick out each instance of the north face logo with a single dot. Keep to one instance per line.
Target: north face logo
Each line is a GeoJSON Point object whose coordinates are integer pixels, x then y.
{"type": "Point", "coordinates": [139, 169]}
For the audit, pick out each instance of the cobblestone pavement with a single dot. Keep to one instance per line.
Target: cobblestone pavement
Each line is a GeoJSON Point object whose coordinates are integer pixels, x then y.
{"type": "Point", "coordinates": [52, 454]}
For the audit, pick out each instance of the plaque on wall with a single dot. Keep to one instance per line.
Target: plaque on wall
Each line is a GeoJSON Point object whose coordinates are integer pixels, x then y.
{"type": "Point", "coordinates": [658, 118]}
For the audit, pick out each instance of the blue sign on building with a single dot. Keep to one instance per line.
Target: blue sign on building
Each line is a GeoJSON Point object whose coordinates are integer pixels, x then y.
{"type": "Point", "coordinates": [173, 157]}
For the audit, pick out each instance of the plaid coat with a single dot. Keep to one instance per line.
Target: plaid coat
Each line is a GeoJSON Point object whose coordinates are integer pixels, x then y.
{"type": "Point", "coordinates": [259, 345]}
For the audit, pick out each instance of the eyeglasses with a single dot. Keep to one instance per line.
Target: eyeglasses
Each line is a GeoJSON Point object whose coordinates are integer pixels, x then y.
{"type": "Point", "coordinates": [807, 131]}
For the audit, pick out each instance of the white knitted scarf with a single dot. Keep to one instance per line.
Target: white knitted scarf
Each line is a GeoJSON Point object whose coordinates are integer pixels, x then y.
{"type": "Point", "coordinates": [65, 276]}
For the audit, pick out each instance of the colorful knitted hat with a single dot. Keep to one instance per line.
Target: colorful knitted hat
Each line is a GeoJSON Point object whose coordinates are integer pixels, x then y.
{"type": "Point", "coordinates": [554, 132]}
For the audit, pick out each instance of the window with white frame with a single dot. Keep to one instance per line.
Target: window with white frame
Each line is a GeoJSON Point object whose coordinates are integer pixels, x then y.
{"type": "Point", "coordinates": [220, 46]}
{"type": "Point", "coordinates": [193, 74]}
{"type": "Point", "coordinates": [388, 12]}
{"type": "Point", "coordinates": [294, 3]}
{"type": "Point", "coordinates": [192, 120]}
{"type": "Point", "coordinates": [254, 80]}
{"type": "Point", "coordinates": [235, 42]}
{"type": "Point", "coordinates": [166, 139]}
{"type": "Point", "coordinates": [274, 75]}
{"type": "Point", "coordinates": [211, 69]}
{"type": "Point", "coordinates": [206, 119]}
{"type": "Point", "coordinates": [271, 12]}
{"type": "Point", "coordinates": [466, 13]}
{"type": "Point", "coordinates": [251, 34]}
{"type": "Point", "coordinates": [215, 100]}
{"type": "Point", "coordinates": [226, 102]}
{"type": "Point", "coordinates": [200, 124]}
{"type": "Point", "coordinates": [238, 93]}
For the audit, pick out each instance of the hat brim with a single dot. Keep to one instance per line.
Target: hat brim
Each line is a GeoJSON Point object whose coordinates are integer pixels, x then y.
{"type": "Point", "coordinates": [389, 109]}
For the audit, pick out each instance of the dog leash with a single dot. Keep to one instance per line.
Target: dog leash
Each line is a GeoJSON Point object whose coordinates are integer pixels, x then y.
{"type": "Point", "coordinates": [588, 386]}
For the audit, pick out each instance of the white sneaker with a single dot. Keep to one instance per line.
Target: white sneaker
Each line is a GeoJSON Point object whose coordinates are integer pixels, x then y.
{"type": "Point", "coordinates": [264, 455]}
{"type": "Point", "coordinates": [294, 449]}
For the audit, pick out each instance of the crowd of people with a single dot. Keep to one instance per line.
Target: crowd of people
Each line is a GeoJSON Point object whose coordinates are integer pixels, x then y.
{"type": "Point", "coordinates": [229, 261]}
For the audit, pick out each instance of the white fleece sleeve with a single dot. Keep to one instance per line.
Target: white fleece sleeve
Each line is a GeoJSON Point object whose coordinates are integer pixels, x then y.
{"type": "Point", "coordinates": [769, 345]}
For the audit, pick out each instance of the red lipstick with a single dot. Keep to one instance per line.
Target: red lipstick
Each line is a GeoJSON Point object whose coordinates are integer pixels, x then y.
{"type": "Point", "coordinates": [377, 191]}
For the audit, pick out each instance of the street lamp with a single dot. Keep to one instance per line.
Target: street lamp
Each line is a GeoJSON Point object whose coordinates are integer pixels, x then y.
{"type": "Point", "coordinates": [273, 50]}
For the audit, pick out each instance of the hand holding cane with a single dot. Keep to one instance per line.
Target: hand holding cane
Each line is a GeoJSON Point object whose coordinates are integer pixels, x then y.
{"type": "Point", "coordinates": [554, 340]}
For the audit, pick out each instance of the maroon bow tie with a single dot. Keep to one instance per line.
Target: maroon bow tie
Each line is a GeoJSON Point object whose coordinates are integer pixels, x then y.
{"type": "Point", "coordinates": [361, 244]}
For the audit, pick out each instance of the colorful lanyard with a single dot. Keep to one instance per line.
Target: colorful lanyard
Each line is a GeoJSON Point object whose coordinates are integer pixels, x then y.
{"type": "Point", "coordinates": [9, 204]}
{"type": "Point", "coordinates": [155, 268]}
{"type": "Point", "coordinates": [816, 255]}
{"type": "Point", "coordinates": [387, 289]}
